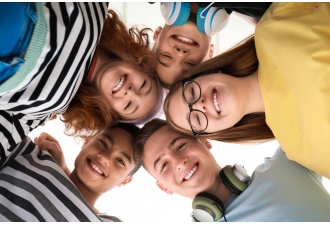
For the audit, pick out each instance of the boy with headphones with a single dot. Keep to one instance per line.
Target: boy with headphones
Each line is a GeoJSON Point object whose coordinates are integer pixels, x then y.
{"type": "Point", "coordinates": [36, 185]}
{"type": "Point", "coordinates": [278, 190]}
{"type": "Point", "coordinates": [185, 39]}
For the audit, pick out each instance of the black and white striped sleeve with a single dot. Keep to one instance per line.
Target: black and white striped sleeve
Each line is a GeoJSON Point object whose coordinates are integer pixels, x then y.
{"type": "Point", "coordinates": [73, 32]}
{"type": "Point", "coordinates": [34, 188]}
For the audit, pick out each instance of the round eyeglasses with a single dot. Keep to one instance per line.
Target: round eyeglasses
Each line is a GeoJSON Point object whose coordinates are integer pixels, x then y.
{"type": "Point", "coordinates": [191, 92]}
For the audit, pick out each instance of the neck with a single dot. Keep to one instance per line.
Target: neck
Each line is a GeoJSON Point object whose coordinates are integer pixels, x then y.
{"type": "Point", "coordinates": [254, 100]}
{"type": "Point", "coordinates": [219, 189]}
{"type": "Point", "coordinates": [90, 196]}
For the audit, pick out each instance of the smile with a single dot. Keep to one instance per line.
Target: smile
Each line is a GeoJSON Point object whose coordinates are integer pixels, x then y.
{"type": "Point", "coordinates": [190, 173]}
{"type": "Point", "coordinates": [96, 168]}
{"type": "Point", "coordinates": [215, 102]}
{"type": "Point", "coordinates": [119, 84]}
{"type": "Point", "coordinates": [185, 40]}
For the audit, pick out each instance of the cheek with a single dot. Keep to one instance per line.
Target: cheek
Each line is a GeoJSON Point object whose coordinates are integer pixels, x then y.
{"type": "Point", "coordinates": [116, 104]}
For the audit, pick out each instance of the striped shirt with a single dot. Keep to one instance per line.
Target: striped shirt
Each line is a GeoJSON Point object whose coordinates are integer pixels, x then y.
{"type": "Point", "coordinates": [73, 32]}
{"type": "Point", "coordinates": [34, 188]}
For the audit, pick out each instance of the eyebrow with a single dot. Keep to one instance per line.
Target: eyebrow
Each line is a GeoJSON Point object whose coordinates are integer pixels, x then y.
{"type": "Point", "coordinates": [169, 146]}
{"type": "Point", "coordinates": [109, 138]}
{"type": "Point", "coordinates": [126, 156]}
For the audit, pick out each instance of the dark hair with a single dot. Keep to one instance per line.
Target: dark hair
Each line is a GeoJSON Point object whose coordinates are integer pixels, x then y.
{"type": "Point", "coordinates": [88, 109]}
{"type": "Point", "coordinates": [143, 135]}
{"type": "Point", "coordinates": [133, 130]}
{"type": "Point", "coordinates": [239, 61]}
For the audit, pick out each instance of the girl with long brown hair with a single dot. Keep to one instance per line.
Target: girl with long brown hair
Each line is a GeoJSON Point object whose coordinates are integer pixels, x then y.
{"type": "Point", "coordinates": [270, 86]}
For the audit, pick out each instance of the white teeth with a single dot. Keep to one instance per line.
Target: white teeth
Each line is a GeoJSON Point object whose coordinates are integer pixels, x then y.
{"type": "Point", "coordinates": [185, 39]}
{"type": "Point", "coordinates": [119, 84]}
{"type": "Point", "coordinates": [215, 101]}
{"type": "Point", "coordinates": [191, 172]}
{"type": "Point", "coordinates": [96, 168]}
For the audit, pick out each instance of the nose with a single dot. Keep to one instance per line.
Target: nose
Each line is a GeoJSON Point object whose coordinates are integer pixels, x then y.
{"type": "Point", "coordinates": [129, 90]}
{"type": "Point", "coordinates": [181, 51]}
{"type": "Point", "coordinates": [103, 160]}
{"type": "Point", "coordinates": [200, 104]}
{"type": "Point", "coordinates": [180, 163]}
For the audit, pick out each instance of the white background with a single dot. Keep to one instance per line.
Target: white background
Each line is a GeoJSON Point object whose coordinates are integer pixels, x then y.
{"type": "Point", "coordinates": [142, 200]}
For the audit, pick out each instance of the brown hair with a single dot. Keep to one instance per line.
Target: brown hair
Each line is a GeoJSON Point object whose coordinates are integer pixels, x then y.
{"type": "Point", "coordinates": [88, 109]}
{"type": "Point", "coordinates": [143, 135]}
{"type": "Point", "coordinates": [239, 61]}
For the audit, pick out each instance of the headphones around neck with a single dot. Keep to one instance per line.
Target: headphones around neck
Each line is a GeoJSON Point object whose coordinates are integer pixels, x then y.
{"type": "Point", "coordinates": [209, 208]}
{"type": "Point", "coordinates": [210, 20]}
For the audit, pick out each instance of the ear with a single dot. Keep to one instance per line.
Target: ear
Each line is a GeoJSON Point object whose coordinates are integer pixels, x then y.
{"type": "Point", "coordinates": [157, 32]}
{"type": "Point", "coordinates": [126, 181]}
{"type": "Point", "coordinates": [205, 142]}
{"type": "Point", "coordinates": [162, 187]}
{"type": "Point", "coordinates": [211, 51]}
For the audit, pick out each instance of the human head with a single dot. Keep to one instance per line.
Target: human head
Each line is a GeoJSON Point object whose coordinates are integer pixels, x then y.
{"type": "Point", "coordinates": [178, 48]}
{"type": "Point", "coordinates": [106, 160]}
{"type": "Point", "coordinates": [240, 61]}
{"type": "Point", "coordinates": [180, 163]}
{"type": "Point", "coordinates": [128, 53]}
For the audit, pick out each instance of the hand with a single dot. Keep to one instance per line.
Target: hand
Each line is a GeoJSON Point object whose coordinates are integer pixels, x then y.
{"type": "Point", "coordinates": [50, 144]}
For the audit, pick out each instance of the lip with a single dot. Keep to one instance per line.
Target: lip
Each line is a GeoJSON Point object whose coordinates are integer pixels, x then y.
{"type": "Point", "coordinates": [187, 171]}
{"type": "Point", "coordinates": [218, 100]}
{"type": "Point", "coordinates": [122, 86]}
{"type": "Point", "coordinates": [92, 169]}
{"type": "Point", "coordinates": [175, 38]}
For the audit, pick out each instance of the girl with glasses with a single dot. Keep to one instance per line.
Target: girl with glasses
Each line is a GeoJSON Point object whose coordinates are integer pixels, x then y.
{"type": "Point", "coordinates": [273, 85]}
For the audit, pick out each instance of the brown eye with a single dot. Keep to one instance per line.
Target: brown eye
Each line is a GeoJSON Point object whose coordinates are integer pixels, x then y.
{"type": "Point", "coordinates": [103, 143]}
{"type": "Point", "coordinates": [120, 161]}
{"type": "Point", "coordinates": [163, 167]}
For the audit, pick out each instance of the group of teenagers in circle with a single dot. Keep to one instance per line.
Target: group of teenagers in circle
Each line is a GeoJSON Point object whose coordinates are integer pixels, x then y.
{"type": "Point", "coordinates": [80, 62]}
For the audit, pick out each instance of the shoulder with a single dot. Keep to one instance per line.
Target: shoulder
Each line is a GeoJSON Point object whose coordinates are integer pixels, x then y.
{"type": "Point", "coordinates": [108, 218]}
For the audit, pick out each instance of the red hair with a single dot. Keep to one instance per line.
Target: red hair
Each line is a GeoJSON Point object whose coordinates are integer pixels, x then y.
{"type": "Point", "coordinates": [89, 110]}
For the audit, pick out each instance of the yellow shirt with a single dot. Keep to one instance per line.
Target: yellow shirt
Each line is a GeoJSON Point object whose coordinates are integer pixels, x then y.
{"type": "Point", "coordinates": [293, 48]}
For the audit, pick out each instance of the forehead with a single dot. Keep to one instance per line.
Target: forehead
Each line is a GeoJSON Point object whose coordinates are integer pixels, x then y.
{"type": "Point", "coordinates": [160, 142]}
{"type": "Point", "coordinates": [160, 139]}
{"type": "Point", "coordinates": [178, 109]}
{"type": "Point", "coordinates": [119, 136]}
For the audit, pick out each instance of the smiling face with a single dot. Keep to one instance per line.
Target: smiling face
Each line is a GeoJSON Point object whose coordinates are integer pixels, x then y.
{"type": "Point", "coordinates": [106, 160]}
{"type": "Point", "coordinates": [178, 48]}
{"type": "Point", "coordinates": [129, 92]}
{"type": "Point", "coordinates": [181, 164]}
{"type": "Point", "coordinates": [222, 100]}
